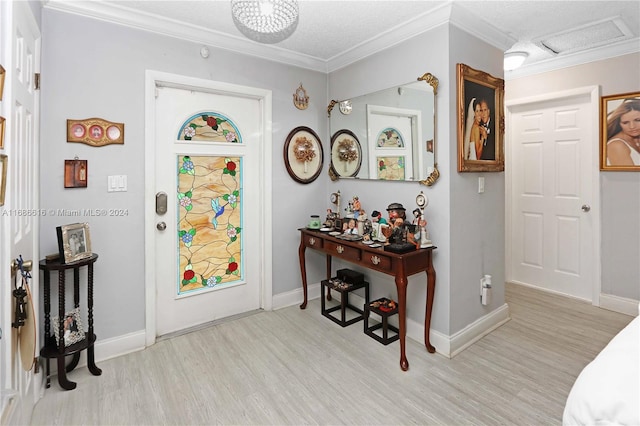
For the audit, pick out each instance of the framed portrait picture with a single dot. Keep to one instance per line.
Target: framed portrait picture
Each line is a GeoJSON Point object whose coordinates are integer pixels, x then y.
{"type": "Point", "coordinates": [480, 121]}
{"type": "Point", "coordinates": [74, 242]}
{"type": "Point", "coordinates": [3, 177]}
{"type": "Point", "coordinates": [2, 121]}
{"type": "Point", "coordinates": [72, 331]}
{"type": "Point", "coordinates": [303, 155]}
{"type": "Point", "coordinates": [3, 73]}
{"type": "Point", "coordinates": [620, 130]}
{"type": "Point", "coordinates": [346, 154]}
{"type": "Point", "coordinates": [95, 132]}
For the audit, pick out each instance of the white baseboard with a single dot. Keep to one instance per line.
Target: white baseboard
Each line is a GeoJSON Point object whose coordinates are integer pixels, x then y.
{"type": "Point", "coordinates": [478, 329]}
{"type": "Point", "coordinates": [448, 346]}
{"type": "Point", "coordinates": [619, 304]}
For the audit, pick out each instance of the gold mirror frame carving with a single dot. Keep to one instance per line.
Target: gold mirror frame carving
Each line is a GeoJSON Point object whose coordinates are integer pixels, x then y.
{"type": "Point", "coordinates": [430, 180]}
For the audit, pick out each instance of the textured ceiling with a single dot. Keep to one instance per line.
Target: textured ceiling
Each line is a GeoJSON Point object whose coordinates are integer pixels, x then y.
{"type": "Point", "coordinates": [331, 29]}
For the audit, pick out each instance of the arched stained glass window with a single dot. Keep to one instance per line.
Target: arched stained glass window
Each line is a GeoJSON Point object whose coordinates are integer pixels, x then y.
{"type": "Point", "coordinates": [209, 127]}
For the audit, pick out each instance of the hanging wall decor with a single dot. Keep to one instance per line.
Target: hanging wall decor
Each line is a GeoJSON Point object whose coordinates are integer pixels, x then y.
{"type": "Point", "coordinates": [300, 98]}
{"type": "Point", "coordinates": [620, 132]}
{"type": "Point", "coordinates": [95, 132]}
{"type": "Point", "coordinates": [303, 154]}
{"type": "Point", "coordinates": [2, 75]}
{"type": "Point", "coordinates": [2, 121]}
{"type": "Point", "coordinates": [75, 173]}
{"type": "Point", "coordinates": [3, 177]}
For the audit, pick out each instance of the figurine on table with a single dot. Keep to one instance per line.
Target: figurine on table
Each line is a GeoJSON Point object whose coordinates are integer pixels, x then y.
{"type": "Point", "coordinates": [395, 233]}
{"type": "Point", "coordinates": [330, 222]}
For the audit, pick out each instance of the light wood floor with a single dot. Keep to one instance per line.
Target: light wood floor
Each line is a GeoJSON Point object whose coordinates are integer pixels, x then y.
{"type": "Point", "coordinates": [294, 367]}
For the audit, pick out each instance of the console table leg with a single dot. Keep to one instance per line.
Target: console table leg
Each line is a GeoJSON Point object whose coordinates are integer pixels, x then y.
{"type": "Point", "coordinates": [303, 271]}
{"type": "Point", "coordinates": [401, 286]}
{"type": "Point", "coordinates": [329, 277]}
{"type": "Point", "coordinates": [431, 289]}
{"type": "Point", "coordinates": [62, 375]}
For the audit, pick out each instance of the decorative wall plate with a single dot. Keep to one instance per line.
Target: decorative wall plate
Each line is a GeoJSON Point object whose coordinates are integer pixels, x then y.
{"type": "Point", "coordinates": [303, 154]}
{"type": "Point", "coordinates": [95, 132]}
{"type": "Point", "coordinates": [346, 154]}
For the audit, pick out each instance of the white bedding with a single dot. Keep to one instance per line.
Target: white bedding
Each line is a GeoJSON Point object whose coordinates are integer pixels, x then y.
{"type": "Point", "coordinates": [607, 391]}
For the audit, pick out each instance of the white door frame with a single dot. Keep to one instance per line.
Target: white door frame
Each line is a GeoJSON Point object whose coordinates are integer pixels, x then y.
{"type": "Point", "coordinates": [265, 191]}
{"type": "Point", "coordinates": [594, 94]}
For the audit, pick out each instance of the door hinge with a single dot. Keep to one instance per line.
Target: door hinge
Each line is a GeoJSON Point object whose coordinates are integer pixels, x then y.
{"type": "Point", "coordinates": [36, 81]}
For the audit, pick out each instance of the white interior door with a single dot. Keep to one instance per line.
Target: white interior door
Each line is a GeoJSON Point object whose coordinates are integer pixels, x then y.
{"type": "Point", "coordinates": [553, 232]}
{"type": "Point", "coordinates": [18, 217]}
{"type": "Point", "coordinates": [208, 258]}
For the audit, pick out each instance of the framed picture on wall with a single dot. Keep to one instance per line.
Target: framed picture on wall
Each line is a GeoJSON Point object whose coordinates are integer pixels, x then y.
{"type": "Point", "coordinates": [620, 130]}
{"type": "Point", "coordinates": [303, 155]}
{"type": "Point", "coordinates": [480, 121]}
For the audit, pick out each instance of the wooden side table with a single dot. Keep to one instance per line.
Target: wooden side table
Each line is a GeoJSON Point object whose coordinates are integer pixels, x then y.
{"type": "Point", "coordinates": [58, 350]}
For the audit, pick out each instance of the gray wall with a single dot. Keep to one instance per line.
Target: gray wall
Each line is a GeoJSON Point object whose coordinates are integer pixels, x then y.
{"type": "Point", "coordinates": [619, 191]}
{"type": "Point", "coordinates": [465, 251]}
{"type": "Point", "coordinates": [92, 68]}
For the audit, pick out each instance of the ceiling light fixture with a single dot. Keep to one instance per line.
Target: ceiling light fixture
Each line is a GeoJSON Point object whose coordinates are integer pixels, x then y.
{"type": "Point", "coordinates": [265, 21]}
{"type": "Point", "coordinates": [513, 60]}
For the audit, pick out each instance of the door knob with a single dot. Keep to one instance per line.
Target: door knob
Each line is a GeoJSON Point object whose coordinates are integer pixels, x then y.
{"type": "Point", "coordinates": [586, 207]}
{"type": "Point", "coordinates": [161, 226]}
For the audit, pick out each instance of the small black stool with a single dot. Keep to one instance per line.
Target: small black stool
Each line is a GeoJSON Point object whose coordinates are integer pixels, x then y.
{"type": "Point", "coordinates": [385, 313]}
{"type": "Point", "coordinates": [344, 289]}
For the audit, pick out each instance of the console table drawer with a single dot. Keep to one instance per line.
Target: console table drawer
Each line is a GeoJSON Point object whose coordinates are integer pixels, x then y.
{"type": "Point", "coordinates": [342, 251]}
{"type": "Point", "coordinates": [377, 260]}
{"type": "Point", "coordinates": [313, 242]}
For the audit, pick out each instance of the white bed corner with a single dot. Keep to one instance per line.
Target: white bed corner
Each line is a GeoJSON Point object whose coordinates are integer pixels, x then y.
{"type": "Point", "coordinates": [607, 391]}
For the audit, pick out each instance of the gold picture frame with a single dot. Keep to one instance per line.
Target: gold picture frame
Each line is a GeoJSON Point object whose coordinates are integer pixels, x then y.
{"type": "Point", "coordinates": [3, 73]}
{"type": "Point", "coordinates": [4, 160]}
{"type": "Point", "coordinates": [74, 242]}
{"type": "Point", "coordinates": [480, 121]}
{"type": "Point", "coordinates": [620, 143]}
{"type": "Point", "coordinates": [2, 125]}
{"type": "Point", "coordinates": [95, 132]}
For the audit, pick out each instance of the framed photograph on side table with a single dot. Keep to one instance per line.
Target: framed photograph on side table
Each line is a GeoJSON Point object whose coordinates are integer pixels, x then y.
{"type": "Point", "coordinates": [620, 129]}
{"type": "Point", "coordinates": [480, 121]}
{"type": "Point", "coordinates": [74, 242]}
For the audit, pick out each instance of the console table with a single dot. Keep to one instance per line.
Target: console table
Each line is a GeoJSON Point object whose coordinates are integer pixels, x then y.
{"type": "Point", "coordinates": [398, 265]}
{"type": "Point", "coordinates": [58, 350]}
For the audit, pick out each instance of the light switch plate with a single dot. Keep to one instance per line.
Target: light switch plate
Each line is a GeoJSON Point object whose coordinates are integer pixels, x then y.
{"type": "Point", "coordinates": [480, 185]}
{"type": "Point", "coordinates": [117, 183]}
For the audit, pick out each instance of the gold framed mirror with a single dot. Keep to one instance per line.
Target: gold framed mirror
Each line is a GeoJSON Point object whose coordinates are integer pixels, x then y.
{"type": "Point", "coordinates": [395, 132]}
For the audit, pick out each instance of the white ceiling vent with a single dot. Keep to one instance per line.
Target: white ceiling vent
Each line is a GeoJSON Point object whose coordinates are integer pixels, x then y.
{"type": "Point", "coordinates": [592, 35]}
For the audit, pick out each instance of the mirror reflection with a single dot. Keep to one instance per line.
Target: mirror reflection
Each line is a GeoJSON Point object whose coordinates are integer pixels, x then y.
{"type": "Point", "coordinates": [386, 135]}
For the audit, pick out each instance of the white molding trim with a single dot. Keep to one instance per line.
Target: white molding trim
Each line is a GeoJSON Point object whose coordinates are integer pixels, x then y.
{"type": "Point", "coordinates": [265, 98]}
{"type": "Point", "coordinates": [478, 329]}
{"type": "Point", "coordinates": [598, 54]}
{"type": "Point", "coordinates": [449, 12]}
{"type": "Point", "coordinates": [619, 304]}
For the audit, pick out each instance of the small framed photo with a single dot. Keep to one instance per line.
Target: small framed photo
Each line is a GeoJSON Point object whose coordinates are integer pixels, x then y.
{"type": "Point", "coordinates": [3, 73]}
{"type": "Point", "coordinates": [74, 242]}
{"type": "Point", "coordinates": [346, 154]}
{"type": "Point", "coordinates": [72, 331]}
{"type": "Point", "coordinates": [2, 122]}
{"type": "Point", "coordinates": [3, 177]}
{"type": "Point", "coordinates": [303, 155]}
{"type": "Point", "coordinates": [620, 128]}
{"type": "Point", "coordinates": [480, 121]}
{"type": "Point", "coordinates": [75, 173]}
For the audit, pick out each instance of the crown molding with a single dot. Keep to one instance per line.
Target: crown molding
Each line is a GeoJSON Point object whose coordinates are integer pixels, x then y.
{"type": "Point", "coordinates": [391, 37]}
{"type": "Point", "coordinates": [598, 54]}
{"type": "Point", "coordinates": [122, 15]}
